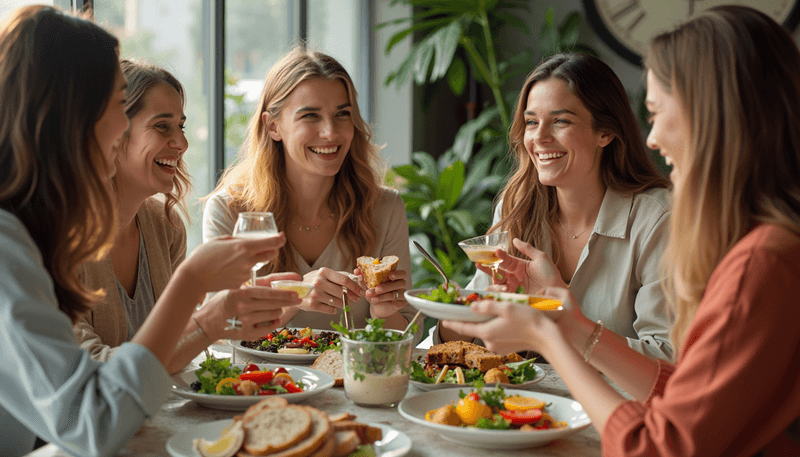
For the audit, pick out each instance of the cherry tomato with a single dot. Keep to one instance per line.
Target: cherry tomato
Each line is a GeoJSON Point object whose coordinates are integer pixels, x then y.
{"type": "Point", "coordinates": [305, 340]}
{"type": "Point", "coordinates": [270, 336]}
{"type": "Point", "coordinates": [472, 397]}
{"type": "Point", "coordinates": [472, 297]}
{"type": "Point", "coordinates": [251, 367]}
{"type": "Point", "coordinates": [295, 340]}
{"type": "Point", "coordinates": [313, 344]}
{"type": "Point", "coordinates": [279, 370]}
{"type": "Point", "coordinates": [258, 377]}
{"type": "Point", "coordinates": [522, 417]}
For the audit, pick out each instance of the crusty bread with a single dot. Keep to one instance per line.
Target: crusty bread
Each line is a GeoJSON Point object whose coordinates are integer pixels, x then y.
{"type": "Point", "coordinates": [272, 401]}
{"type": "Point", "coordinates": [366, 434]}
{"type": "Point", "coordinates": [345, 416]}
{"type": "Point", "coordinates": [483, 361]}
{"type": "Point", "coordinates": [275, 429]}
{"type": "Point", "coordinates": [451, 353]}
{"type": "Point", "coordinates": [513, 357]}
{"type": "Point", "coordinates": [330, 362]}
{"type": "Point", "coordinates": [346, 443]}
{"type": "Point", "coordinates": [328, 446]}
{"type": "Point", "coordinates": [319, 432]}
{"type": "Point", "coordinates": [377, 273]}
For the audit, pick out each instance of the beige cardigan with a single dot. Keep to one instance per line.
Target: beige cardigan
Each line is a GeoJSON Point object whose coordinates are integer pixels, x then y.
{"type": "Point", "coordinates": [101, 330]}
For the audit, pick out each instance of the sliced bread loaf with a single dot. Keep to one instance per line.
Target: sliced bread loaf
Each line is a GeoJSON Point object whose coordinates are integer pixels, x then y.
{"type": "Point", "coordinates": [330, 362]}
{"type": "Point", "coordinates": [275, 429]}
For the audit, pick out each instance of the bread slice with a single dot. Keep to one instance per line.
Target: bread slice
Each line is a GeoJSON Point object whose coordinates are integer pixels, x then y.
{"type": "Point", "coordinates": [483, 361]}
{"type": "Point", "coordinates": [513, 357]}
{"type": "Point", "coordinates": [275, 429]}
{"type": "Point", "coordinates": [377, 272]}
{"type": "Point", "coordinates": [346, 443]}
{"type": "Point", "coordinates": [345, 416]}
{"type": "Point", "coordinates": [327, 448]}
{"type": "Point", "coordinates": [330, 362]}
{"type": "Point", "coordinates": [366, 434]}
{"type": "Point", "coordinates": [319, 432]}
{"type": "Point", "coordinates": [451, 353]}
{"type": "Point", "coordinates": [273, 401]}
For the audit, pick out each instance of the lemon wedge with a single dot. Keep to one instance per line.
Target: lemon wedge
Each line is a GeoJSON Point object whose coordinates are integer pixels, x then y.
{"type": "Point", "coordinates": [226, 446]}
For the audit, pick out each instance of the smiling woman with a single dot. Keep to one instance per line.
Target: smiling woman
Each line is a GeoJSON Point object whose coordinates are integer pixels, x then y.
{"type": "Point", "coordinates": [309, 159]}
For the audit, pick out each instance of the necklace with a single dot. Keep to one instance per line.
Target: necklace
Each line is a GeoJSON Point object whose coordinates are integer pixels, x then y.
{"type": "Point", "coordinates": [565, 229]}
{"type": "Point", "coordinates": [300, 227]}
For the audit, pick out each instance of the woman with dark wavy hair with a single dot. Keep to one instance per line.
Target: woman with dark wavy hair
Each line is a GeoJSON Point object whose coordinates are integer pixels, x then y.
{"type": "Point", "coordinates": [586, 201]}
{"type": "Point", "coordinates": [726, 121]}
{"type": "Point", "coordinates": [309, 159]}
{"type": "Point", "coordinates": [149, 187]}
{"type": "Point", "coordinates": [62, 115]}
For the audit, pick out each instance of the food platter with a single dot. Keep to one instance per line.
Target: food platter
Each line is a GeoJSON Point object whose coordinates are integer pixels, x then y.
{"type": "Point", "coordinates": [315, 383]}
{"type": "Point", "coordinates": [394, 443]}
{"type": "Point", "coordinates": [415, 407]}
{"type": "Point", "coordinates": [279, 357]}
{"type": "Point", "coordinates": [459, 312]}
{"type": "Point", "coordinates": [540, 374]}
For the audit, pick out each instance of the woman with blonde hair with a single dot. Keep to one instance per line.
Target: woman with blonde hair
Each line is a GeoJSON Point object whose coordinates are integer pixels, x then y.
{"type": "Point", "coordinates": [727, 123]}
{"type": "Point", "coordinates": [309, 159]}
{"type": "Point", "coordinates": [150, 242]}
{"type": "Point", "coordinates": [586, 201]}
{"type": "Point", "coordinates": [62, 114]}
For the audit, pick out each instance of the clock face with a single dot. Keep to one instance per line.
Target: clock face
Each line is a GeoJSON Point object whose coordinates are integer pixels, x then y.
{"type": "Point", "coordinates": [628, 25]}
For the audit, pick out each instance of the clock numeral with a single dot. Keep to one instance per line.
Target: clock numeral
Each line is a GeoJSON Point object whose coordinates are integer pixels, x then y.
{"type": "Point", "coordinates": [626, 9]}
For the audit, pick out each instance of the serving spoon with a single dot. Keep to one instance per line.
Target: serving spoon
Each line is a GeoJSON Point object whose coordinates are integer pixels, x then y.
{"type": "Point", "coordinates": [435, 264]}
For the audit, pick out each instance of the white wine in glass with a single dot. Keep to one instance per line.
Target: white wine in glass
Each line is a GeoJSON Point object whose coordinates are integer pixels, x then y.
{"type": "Point", "coordinates": [481, 249]}
{"type": "Point", "coordinates": [255, 225]}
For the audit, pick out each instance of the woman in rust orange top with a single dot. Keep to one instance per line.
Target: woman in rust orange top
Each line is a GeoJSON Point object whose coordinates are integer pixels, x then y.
{"type": "Point", "coordinates": [727, 123]}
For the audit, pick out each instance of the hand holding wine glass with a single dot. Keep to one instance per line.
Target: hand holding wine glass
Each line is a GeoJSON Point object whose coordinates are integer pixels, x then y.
{"type": "Point", "coordinates": [254, 225]}
{"type": "Point", "coordinates": [481, 249]}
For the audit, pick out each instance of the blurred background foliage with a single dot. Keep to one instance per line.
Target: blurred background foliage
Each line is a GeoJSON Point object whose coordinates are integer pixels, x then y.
{"type": "Point", "coordinates": [455, 44]}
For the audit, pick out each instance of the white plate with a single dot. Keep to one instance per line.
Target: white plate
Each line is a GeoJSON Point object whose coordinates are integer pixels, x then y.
{"type": "Point", "coordinates": [279, 357]}
{"type": "Point", "coordinates": [415, 407]}
{"type": "Point", "coordinates": [394, 443]}
{"type": "Point", "coordinates": [456, 312]}
{"type": "Point", "coordinates": [540, 374]}
{"type": "Point", "coordinates": [315, 382]}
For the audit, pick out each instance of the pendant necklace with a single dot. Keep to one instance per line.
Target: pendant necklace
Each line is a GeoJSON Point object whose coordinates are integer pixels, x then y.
{"type": "Point", "coordinates": [565, 229]}
{"type": "Point", "coordinates": [300, 227]}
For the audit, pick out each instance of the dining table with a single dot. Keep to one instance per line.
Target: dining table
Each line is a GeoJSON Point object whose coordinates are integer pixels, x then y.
{"type": "Point", "coordinates": [179, 413]}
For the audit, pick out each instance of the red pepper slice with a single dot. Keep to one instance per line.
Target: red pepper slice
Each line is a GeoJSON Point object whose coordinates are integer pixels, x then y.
{"type": "Point", "coordinates": [251, 367]}
{"type": "Point", "coordinates": [472, 397]}
{"type": "Point", "coordinates": [472, 297]}
{"type": "Point", "coordinates": [313, 344]}
{"type": "Point", "coordinates": [522, 417]}
{"type": "Point", "coordinates": [270, 336]}
{"type": "Point", "coordinates": [258, 377]}
{"type": "Point", "coordinates": [292, 388]}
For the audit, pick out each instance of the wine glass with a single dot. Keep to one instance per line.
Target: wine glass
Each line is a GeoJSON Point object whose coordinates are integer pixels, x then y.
{"type": "Point", "coordinates": [255, 225]}
{"type": "Point", "coordinates": [481, 249]}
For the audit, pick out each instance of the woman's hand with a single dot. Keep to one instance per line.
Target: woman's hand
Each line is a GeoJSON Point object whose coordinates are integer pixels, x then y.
{"type": "Point", "coordinates": [327, 294]}
{"type": "Point", "coordinates": [225, 262]}
{"type": "Point", "coordinates": [533, 275]}
{"type": "Point", "coordinates": [386, 299]}
{"type": "Point", "coordinates": [257, 309]}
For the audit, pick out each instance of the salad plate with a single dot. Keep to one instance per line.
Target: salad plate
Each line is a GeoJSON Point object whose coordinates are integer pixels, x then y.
{"type": "Point", "coordinates": [570, 411]}
{"type": "Point", "coordinates": [540, 374]}
{"type": "Point", "coordinates": [394, 443]}
{"type": "Point", "coordinates": [463, 312]}
{"type": "Point", "coordinates": [280, 357]}
{"type": "Point", "coordinates": [314, 382]}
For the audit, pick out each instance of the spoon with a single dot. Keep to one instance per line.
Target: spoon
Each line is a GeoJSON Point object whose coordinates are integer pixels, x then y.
{"type": "Point", "coordinates": [435, 264]}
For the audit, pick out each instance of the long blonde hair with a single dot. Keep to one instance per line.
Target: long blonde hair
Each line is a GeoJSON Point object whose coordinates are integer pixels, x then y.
{"type": "Point", "coordinates": [258, 182]}
{"type": "Point", "coordinates": [529, 207]}
{"type": "Point", "coordinates": [57, 74]}
{"type": "Point", "coordinates": [742, 167]}
{"type": "Point", "coordinates": [142, 77]}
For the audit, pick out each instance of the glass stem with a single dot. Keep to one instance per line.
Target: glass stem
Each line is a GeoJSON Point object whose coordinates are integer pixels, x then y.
{"type": "Point", "coordinates": [253, 277]}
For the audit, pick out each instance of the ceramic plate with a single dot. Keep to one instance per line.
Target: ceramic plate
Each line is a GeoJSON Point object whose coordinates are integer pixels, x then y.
{"type": "Point", "coordinates": [394, 443]}
{"type": "Point", "coordinates": [415, 407]}
{"type": "Point", "coordinates": [456, 312]}
{"type": "Point", "coordinates": [279, 357]}
{"type": "Point", "coordinates": [540, 374]}
{"type": "Point", "coordinates": [315, 382]}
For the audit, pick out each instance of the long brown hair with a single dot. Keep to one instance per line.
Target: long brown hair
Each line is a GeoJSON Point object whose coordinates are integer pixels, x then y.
{"type": "Point", "coordinates": [529, 207]}
{"type": "Point", "coordinates": [743, 103]}
{"type": "Point", "coordinates": [258, 181]}
{"type": "Point", "coordinates": [142, 77]}
{"type": "Point", "coordinates": [57, 74]}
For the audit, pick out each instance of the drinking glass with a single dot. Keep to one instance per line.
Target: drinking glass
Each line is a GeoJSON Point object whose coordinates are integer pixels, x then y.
{"type": "Point", "coordinates": [481, 249]}
{"type": "Point", "coordinates": [376, 374]}
{"type": "Point", "coordinates": [255, 225]}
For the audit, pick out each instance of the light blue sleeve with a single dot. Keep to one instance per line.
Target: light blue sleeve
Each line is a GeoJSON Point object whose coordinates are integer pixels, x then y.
{"type": "Point", "coordinates": [48, 386]}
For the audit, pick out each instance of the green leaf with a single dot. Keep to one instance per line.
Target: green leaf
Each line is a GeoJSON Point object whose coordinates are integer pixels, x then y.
{"type": "Point", "coordinates": [422, 61]}
{"type": "Point", "coordinates": [426, 209]}
{"type": "Point", "coordinates": [457, 76]}
{"type": "Point", "coordinates": [463, 219]}
{"type": "Point", "coordinates": [569, 31]}
{"type": "Point", "coordinates": [444, 261]}
{"type": "Point", "coordinates": [451, 181]}
{"type": "Point", "coordinates": [465, 138]}
{"type": "Point", "coordinates": [445, 42]}
{"type": "Point", "coordinates": [427, 163]}
{"type": "Point", "coordinates": [513, 21]}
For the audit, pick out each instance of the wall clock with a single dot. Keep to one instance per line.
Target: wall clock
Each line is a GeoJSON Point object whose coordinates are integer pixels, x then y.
{"type": "Point", "coordinates": [627, 25]}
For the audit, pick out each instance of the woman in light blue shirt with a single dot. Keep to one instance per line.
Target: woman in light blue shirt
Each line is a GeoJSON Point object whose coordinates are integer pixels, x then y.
{"type": "Point", "coordinates": [62, 116]}
{"type": "Point", "coordinates": [588, 198]}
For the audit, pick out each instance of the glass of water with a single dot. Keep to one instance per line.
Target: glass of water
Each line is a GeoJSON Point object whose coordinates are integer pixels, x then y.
{"type": "Point", "coordinates": [255, 225]}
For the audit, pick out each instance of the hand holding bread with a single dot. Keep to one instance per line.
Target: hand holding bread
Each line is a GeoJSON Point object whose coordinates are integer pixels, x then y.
{"type": "Point", "coordinates": [385, 283]}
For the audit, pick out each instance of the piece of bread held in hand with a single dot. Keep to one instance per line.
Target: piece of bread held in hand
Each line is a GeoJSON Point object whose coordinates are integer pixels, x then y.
{"type": "Point", "coordinates": [376, 271]}
{"type": "Point", "coordinates": [330, 362]}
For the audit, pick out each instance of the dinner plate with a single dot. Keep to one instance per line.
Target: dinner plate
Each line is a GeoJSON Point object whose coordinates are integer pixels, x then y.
{"type": "Point", "coordinates": [315, 383]}
{"type": "Point", "coordinates": [540, 374]}
{"type": "Point", "coordinates": [394, 443]}
{"type": "Point", "coordinates": [455, 312]}
{"type": "Point", "coordinates": [279, 357]}
{"type": "Point", "coordinates": [415, 407]}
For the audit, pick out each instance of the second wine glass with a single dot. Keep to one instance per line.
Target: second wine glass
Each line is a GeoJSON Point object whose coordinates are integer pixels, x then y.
{"type": "Point", "coordinates": [481, 249]}
{"type": "Point", "coordinates": [255, 225]}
